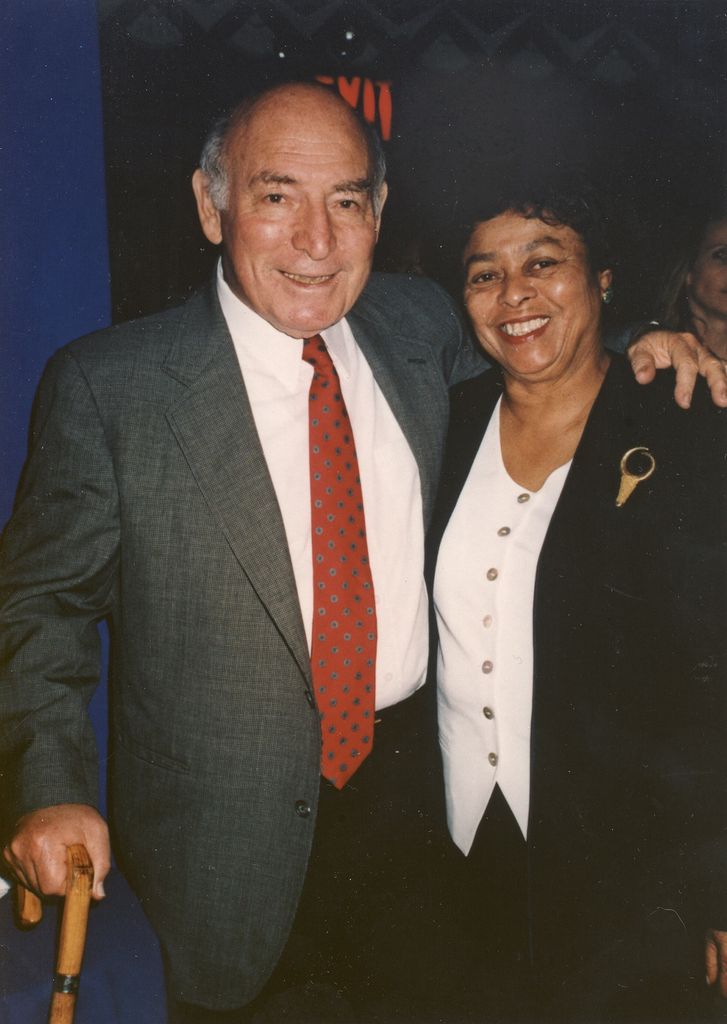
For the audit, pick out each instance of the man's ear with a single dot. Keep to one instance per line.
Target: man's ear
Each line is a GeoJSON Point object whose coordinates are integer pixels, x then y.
{"type": "Point", "coordinates": [209, 215]}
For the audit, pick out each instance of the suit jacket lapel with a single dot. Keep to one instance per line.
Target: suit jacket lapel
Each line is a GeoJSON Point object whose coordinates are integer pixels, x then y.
{"type": "Point", "coordinates": [404, 370]}
{"type": "Point", "coordinates": [214, 425]}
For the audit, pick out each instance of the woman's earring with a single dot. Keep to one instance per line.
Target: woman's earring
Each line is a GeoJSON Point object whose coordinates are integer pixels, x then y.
{"type": "Point", "coordinates": [607, 295]}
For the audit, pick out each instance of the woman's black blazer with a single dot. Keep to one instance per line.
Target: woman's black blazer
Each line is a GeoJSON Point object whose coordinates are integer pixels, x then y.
{"type": "Point", "coordinates": [629, 723]}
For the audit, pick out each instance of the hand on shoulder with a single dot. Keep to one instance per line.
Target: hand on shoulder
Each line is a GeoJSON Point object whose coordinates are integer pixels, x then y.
{"type": "Point", "coordinates": [659, 349]}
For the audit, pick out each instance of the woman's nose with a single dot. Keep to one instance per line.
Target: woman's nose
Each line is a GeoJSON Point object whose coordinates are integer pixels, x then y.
{"type": "Point", "coordinates": [515, 289]}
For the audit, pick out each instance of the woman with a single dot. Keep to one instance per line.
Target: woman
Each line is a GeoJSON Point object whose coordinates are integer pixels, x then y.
{"type": "Point", "coordinates": [581, 647]}
{"type": "Point", "coordinates": [695, 295]}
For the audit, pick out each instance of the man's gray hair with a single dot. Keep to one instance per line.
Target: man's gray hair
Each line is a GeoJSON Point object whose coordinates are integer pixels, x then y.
{"type": "Point", "coordinates": [213, 159]}
{"type": "Point", "coordinates": [213, 164]}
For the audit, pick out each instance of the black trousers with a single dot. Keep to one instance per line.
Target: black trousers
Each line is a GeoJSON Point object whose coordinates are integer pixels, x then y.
{"type": "Point", "coordinates": [650, 972]}
{"type": "Point", "coordinates": [364, 945]}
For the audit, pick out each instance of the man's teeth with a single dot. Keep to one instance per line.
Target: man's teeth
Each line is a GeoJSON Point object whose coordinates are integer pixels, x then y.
{"type": "Point", "coordinates": [305, 279]}
{"type": "Point", "coordinates": [527, 327]}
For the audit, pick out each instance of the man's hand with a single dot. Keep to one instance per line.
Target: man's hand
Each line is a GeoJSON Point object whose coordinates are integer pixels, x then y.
{"type": "Point", "coordinates": [715, 951]}
{"type": "Point", "coordinates": [659, 349]}
{"type": "Point", "coordinates": [37, 852]}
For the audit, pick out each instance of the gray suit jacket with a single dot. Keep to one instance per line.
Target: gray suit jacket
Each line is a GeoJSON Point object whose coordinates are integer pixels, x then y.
{"type": "Point", "coordinates": [146, 500]}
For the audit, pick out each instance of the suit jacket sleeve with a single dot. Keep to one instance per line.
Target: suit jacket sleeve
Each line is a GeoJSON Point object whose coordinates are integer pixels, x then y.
{"type": "Point", "coordinates": [57, 571]}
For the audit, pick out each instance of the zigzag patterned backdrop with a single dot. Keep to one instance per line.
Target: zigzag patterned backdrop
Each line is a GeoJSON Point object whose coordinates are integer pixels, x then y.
{"type": "Point", "coordinates": [465, 92]}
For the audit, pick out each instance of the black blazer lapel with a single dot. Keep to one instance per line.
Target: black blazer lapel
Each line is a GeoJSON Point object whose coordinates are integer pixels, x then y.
{"type": "Point", "coordinates": [472, 404]}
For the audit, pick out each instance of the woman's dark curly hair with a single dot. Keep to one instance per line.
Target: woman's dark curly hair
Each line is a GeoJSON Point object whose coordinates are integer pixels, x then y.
{"type": "Point", "coordinates": [578, 207]}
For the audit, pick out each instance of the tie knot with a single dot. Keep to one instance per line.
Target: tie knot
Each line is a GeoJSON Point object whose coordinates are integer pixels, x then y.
{"type": "Point", "coordinates": [316, 353]}
{"type": "Point", "coordinates": [314, 348]}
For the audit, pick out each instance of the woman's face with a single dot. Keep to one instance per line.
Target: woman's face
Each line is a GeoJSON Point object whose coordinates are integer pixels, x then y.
{"type": "Point", "coordinates": [533, 300]}
{"type": "Point", "coordinates": [707, 280]}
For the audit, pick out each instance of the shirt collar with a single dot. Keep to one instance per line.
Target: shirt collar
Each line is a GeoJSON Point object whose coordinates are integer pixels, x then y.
{"type": "Point", "coordinates": [263, 349]}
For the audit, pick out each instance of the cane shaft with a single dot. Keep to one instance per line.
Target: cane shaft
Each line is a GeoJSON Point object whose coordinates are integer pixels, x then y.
{"type": "Point", "coordinates": [73, 935]}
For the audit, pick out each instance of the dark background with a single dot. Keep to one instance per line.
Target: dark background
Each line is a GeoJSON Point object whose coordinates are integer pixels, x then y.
{"type": "Point", "coordinates": [630, 94]}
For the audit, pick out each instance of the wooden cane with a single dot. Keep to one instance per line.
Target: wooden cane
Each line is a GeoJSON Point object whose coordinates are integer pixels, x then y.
{"type": "Point", "coordinates": [79, 882]}
{"type": "Point", "coordinates": [28, 907]}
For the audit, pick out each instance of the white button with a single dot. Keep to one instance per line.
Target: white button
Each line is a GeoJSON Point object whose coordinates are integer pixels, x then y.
{"type": "Point", "coordinates": [487, 621]}
{"type": "Point", "coordinates": [522, 498]}
{"type": "Point", "coordinates": [492, 758]}
{"type": "Point", "coordinates": [503, 531]}
{"type": "Point", "coordinates": [492, 574]}
{"type": "Point", "coordinates": [487, 667]}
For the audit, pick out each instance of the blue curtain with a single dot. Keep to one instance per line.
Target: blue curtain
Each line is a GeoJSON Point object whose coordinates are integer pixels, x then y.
{"type": "Point", "coordinates": [54, 286]}
{"type": "Point", "coordinates": [54, 279]}
{"type": "Point", "coordinates": [54, 268]}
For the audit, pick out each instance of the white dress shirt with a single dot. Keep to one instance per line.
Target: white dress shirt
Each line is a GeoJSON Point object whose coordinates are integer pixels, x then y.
{"type": "Point", "coordinates": [483, 597]}
{"type": "Point", "coordinates": [277, 380]}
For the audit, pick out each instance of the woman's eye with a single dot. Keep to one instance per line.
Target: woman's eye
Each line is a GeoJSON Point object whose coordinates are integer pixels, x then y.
{"type": "Point", "coordinates": [484, 277]}
{"type": "Point", "coordinates": [720, 254]}
{"type": "Point", "coordinates": [544, 264]}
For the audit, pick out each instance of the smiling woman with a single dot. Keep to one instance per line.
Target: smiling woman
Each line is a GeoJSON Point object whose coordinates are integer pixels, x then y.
{"type": "Point", "coordinates": [531, 295]}
{"type": "Point", "coordinates": [571, 614]}
{"type": "Point", "coordinates": [534, 298]}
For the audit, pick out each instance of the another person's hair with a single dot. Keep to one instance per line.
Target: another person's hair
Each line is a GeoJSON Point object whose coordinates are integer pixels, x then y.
{"type": "Point", "coordinates": [672, 306]}
{"type": "Point", "coordinates": [213, 157]}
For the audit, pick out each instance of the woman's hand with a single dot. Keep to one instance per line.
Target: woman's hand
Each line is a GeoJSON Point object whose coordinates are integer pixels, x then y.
{"type": "Point", "coordinates": [660, 349]}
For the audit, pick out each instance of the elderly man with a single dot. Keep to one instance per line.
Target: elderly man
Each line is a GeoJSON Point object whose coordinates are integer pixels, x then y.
{"type": "Point", "coordinates": [240, 486]}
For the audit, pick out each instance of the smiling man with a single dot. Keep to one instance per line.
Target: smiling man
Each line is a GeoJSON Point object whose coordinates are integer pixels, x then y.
{"type": "Point", "coordinates": [241, 486]}
{"type": "Point", "coordinates": [254, 606]}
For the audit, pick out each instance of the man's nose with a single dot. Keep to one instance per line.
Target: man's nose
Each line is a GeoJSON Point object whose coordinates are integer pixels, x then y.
{"type": "Point", "coordinates": [314, 233]}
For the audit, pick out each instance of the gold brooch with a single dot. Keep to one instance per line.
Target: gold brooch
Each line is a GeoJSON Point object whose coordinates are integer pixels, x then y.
{"type": "Point", "coordinates": [636, 465]}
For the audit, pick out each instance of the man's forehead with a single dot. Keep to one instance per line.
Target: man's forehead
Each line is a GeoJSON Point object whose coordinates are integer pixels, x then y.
{"type": "Point", "coordinates": [295, 122]}
{"type": "Point", "coordinates": [271, 177]}
{"type": "Point", "coordinates": [269, 158]}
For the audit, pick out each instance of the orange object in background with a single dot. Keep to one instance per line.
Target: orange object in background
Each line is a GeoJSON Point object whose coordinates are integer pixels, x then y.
{"type": "Point", "coordinates": [372, 98]}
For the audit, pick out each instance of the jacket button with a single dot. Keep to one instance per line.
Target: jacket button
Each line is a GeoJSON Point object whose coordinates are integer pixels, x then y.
{"type": "Point", "coordinates": [302, 809]}
{"type": "Point", "coordinates": [309, 697]}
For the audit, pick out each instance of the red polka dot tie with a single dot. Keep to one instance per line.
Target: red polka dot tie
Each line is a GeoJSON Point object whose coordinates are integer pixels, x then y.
{"type": "Point", "coordinates": [343, 644]}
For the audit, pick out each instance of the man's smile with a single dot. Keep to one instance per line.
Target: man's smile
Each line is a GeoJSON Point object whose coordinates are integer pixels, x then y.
{"type": "Point", "coordinates": [308, 279]}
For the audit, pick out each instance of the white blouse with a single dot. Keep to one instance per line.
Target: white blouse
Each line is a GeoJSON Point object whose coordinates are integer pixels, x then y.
{"type": "Point", "coordinates": [483, 598]}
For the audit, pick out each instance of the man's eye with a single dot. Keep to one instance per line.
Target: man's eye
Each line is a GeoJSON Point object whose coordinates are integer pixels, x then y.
{"type": "Point", "coordinates": [274, 197]}
{"type": "Point", "coordinates": [348, 204]}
